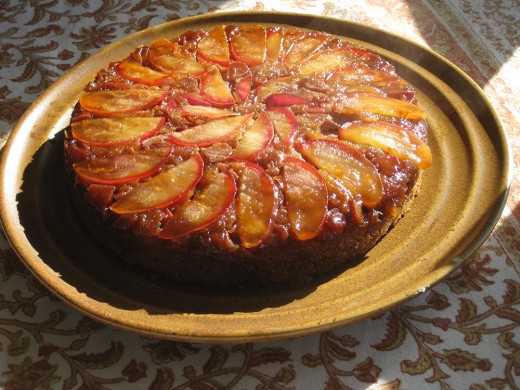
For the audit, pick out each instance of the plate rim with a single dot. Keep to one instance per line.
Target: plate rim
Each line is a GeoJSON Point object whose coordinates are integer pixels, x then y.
{"type": "Point", "coordinates": [8, 195]}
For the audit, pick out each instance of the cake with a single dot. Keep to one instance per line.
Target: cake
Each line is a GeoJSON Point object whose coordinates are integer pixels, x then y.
{"type": "Point", "coordinates": [245, 154]}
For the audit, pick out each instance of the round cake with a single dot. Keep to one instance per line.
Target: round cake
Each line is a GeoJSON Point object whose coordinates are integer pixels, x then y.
{"type": "Point", "coordinates": [245, 154]}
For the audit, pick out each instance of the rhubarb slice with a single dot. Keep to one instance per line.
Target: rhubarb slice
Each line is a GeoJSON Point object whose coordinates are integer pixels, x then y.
{"type": "Point", "coordinates": [306, 197]}
{"type": "Point", "coordinates": [214, 198]}
{"type": "Point", "coordinates": [366, 105]}
{"type": "Point", "coordinates": [122, 168]}
{"type": "Point", "coordinates": [111, 103]}
{"type": "Point", "coordinates": [115, 131]}
{"type": "Point", "coordinates": [255, 139]}
{"type": "Point", "coordinates": [210, 132]}
{"type": "Point", "coordinates": [256, 206]}
{"type": "Point", "coordinates": [164, 189]}
{"type": "Point", "coordinates": [391, 138]}
{"type": "Point", "coordinates": [347, 164]}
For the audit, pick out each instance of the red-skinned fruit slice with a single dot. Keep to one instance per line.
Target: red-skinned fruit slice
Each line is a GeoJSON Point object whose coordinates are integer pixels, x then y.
{"type": "Point", "coordinates": [285, 124]}
{"type": "Point", "coordinates": [169, 58]}
{"type": "Point", "coordinates": [392, 138]}
{"type": "Point", "coordinates": [243, 86]}
{"type": "Point", "coordinates": [164, 189]}
{"type": "Point", "coordinates": [256, 138]}
{"type": "Point", "coordinates": [302, 48]}
{"type": "Point", "coordinates": [214, 46]}
{"type": "Point", "coordinates": [216, 195]}
{"type": "Point", "coordinates": [248, 45]}
{"type": "Point", "coordinates": [306, 197]}
{"type": "Point", "coordinates": [122, 168]}
{"type": "Point", "coordinates": [366, 105]}
{"type": "Point", "coordinates": [112, 103]}
{"type": "Point", "coordinates": [210, 132]}
{"type": "Point", "coordinates": [273, 44]}
{"type": "Point", "coordinates": [115, 131]}
{"type": "Point", "coordinates": [325, 61]}
{"type": "Point", "coordinates": [205, 112]}
{"type": "Point", "coordinates": [131, 70]}
{"type": "Point", "coordinates": [347, 164]}
{"type": "Point", "coordinates": [285, 100]}
{"type": "Point", "coordinates": [193, 98]}
{"type": "Point", "coordinates": [256, 205]}
{"type": "Point", "coordinates": [214, 89]}
{"type": "Point", "coordinates": [288, 84]}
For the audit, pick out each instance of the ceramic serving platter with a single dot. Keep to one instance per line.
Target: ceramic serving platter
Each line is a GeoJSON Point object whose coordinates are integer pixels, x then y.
{"type": "Point", "coordinates": [462, 197]}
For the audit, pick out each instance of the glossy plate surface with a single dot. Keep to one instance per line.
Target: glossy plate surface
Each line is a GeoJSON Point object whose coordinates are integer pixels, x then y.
{"type": "Point", "coordinates": [462, 197]}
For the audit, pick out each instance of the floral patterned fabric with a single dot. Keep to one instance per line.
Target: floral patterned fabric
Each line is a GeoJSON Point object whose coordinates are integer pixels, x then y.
{"type": "Point", "coordinates": [463, 333]}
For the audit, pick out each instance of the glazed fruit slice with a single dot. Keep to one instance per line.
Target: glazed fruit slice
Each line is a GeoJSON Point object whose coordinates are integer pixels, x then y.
{"type": "Point", "coordinates": [391, 138]}
{"type": "Point", "coordinates": [347, 164]}
{"type": "Point", "coordinates": [115, 131]}
{"type": "Point", "coordinates": [285, 124]}
{"type": "Point", "coordinates": [288, 84]}
{"type": "Point", "coordinates": [306, 197]}
{"type": "Point", "coordinates": [214, 46]}
{"type": "Point", "coordinates": [168, 58]}
{"type": "Point", "coordinates": [204, 112]}
{"type": "Point", "coordinates": [285, 100]}
{"type": "Point", "coordinates": [214, 89]}
{"type": "Point", "coordinates": [256, 205]}
{"type": "Point", "coordinates": [138, 73]}
{"type": "Point", "coordinates": [273, 44]}
{"type": "Point", "coordinates": [255, 139]}
{"type": "Point", "coordinates": [248, 45]}
{"type": "Point", "coordinates": [303, 47]}
{"type": "Point", "coordinates": [210, 132]}
{"type": "Point", "coordinates": [121, 168]}
{"type": "Point", "coordinates": [164, 189]}
{"type": "Point", "coordinates": [366, 105]}
{"type": "Point", "coordinates": [325, 61]}
{"type": "Point", "coordinates": [112, 103]}
{"type": "Point", "coordinates": [216, 195]}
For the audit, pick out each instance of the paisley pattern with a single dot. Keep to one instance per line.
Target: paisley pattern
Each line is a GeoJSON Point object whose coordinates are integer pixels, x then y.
{"type": "Point", "coordinates": [461, 333]}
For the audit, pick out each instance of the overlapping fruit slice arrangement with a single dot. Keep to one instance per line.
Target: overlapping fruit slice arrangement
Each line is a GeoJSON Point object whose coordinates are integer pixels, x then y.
{"type": "Point", "coordinates": [249, 128]}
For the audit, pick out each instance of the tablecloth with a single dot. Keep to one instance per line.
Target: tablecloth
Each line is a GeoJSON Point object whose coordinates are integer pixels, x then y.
{"type": "Point", "coordinates": [463, 333]}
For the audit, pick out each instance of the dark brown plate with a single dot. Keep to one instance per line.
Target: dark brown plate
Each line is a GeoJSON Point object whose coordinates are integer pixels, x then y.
{"type": "Point", "coordinates": [462, 197]}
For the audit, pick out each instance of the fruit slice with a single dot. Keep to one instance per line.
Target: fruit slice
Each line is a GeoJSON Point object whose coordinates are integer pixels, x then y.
{"type": "Point", "coordinates": [216, 195]}
{"type": "Point", "coordinates": [325, 61]}
{"type": "Point", "coordinates": [249, 45]}
{"type": "Point", "coordinates": [115, 131]}
{"type": "Point", "coordinates": [391, 138]}
{"type": "Point", "coordinates": [352, 77]}
{"type": "Point", "coordinates": [243, 86]}
{"type": "Point", "coordinates": [288, 84]}
{"type": "Point", "coordinates": [131, 70]}
{"type": "Point", "coordinates": [193, 98]}
{"type": "Point", "coordinates": [204, 112]}
{"type": "Point", "coordinates": [255, 139]}
{"type": "Point", "coordinates": [215, 89]}
{"type": "Point", "coordinates": [273, 44]}
{"type": "Point", "coordinates": [285, 99]}
{"type": "Point", "coordinates": [347, 164]}
{"type": "Point", "coordinates": [210, 132]}
{"type": "Point", "coordinates": [306, 196]}
{"type": "Point", "coordinates": [110, 103]}
{"type": "Point", "coordinates": [256, 205]}
{"type": "Point", "coordinates": [162, 190]}
{"type": "Point", "coordinates": [366, 105]}
{"type": "Point", "coordinates": [214, 46]}
{"type": "Point", "coordinates": [169, 58]}
{"type": "Point", "coordinates": [122, 168]}
{"type": "Point", "coordinates": [303, 47]}
{"type": "Point", "coordinates": [285, 124]}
